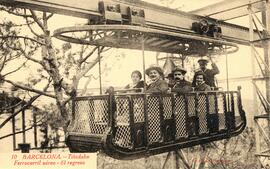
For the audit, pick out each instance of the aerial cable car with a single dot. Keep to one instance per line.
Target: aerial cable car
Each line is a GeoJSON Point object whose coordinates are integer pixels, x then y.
{"type": "Point", "coordinates": [133, 125]}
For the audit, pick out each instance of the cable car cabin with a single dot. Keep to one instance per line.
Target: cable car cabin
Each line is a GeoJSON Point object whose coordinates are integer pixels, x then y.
{"type": "Point", "coordinates": [135, 125]}
{"type": "Point", "coordinates": [128, 126]}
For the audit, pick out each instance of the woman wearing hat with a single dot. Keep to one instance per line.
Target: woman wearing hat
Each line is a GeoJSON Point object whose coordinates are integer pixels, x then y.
{"type": "Point", "coordinates": [180, 84]}
{"type": "Point", "coordinates": [137, 83]}
{"type": "Point", "coordinates": [209, 73]}
{"type": "Point", "coordinates": [156, 75]}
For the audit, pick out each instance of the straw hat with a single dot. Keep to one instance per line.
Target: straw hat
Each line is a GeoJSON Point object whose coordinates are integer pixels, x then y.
{"type": "Point", "coordinates": [155, 67]}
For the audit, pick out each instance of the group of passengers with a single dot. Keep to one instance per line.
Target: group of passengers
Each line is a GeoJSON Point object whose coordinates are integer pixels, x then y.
{"type": "Point", "coordinates": [203, 80]}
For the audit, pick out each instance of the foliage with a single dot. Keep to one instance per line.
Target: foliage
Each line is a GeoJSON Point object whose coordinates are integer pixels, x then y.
{"type": "Point", "coordinates": [45, 74]}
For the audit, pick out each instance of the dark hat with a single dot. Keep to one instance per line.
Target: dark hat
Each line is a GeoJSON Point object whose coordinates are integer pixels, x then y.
{"type": "Point", "coordinates": [180, 69]}
{"type": "Point", "coordinates": [203, 60]}
{"type": "Point", "coordinates": [155, 67]}
{"type": "Point", "coordinates": [200, 73]}
{"type": "Point", "coordinates": [170, 75]}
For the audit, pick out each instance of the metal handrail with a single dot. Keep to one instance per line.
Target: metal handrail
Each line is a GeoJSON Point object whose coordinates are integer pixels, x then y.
{"type": "Point", "coordinates": [119, 136]}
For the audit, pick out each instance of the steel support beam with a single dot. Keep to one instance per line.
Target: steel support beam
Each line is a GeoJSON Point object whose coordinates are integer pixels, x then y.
{"type": "Point", "coordinates": [260, 133]}
{"type": "Point", "coordinates": [255, 104]}
{"type": "Point", "coordinates": [81, 8]}
{"type": "Point", "coordinates": [266, 47]}
{"type": "Point", "coordinates": [229, 10]}
{"type": "Point", "coordinates": [155, 16]}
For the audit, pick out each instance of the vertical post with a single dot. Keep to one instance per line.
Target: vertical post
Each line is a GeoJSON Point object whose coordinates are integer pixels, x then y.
{"type": "Point", "coordinates": [251, 38]}
{"type": "Point", "coordinates": [266, 48]}
{"type": "Point", "coordinates": [252, 52]}
{"type": "Point", "coordinates": [23, 126]}
{"type": "Point", "coordinates": [183, 61]}
{"type": "Point", "coordinates": [143, 57]}
{"type": "Point", "coordinates": [99, 70]}
{"type": "Point", "coordinates": [13, 130]}
{"type": "Point", "coordinates": [35, 128]}
{"type": "Point", "coordinates": [176, 158]}
{"type": "Point", "coordinates": [157, 59]}
{"type": "Point", "coordinates": [227, 70]}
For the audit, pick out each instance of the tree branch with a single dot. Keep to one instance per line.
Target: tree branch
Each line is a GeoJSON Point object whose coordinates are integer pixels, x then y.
{"type": "Point", "coordinates": [13, 71]}
{"type": "Point", "coordinates": [105, 50]}
{"type": "Point", "coordinates": [83, 48]}
{"type": "Point", "coordinates": [17, 25]}
{"type": "Point", "coordinates": [3, 63]}
{"type": "Point", "coordinates": [45, 21]}
{"type": "Point", "coordinates": [34, 16]}
{"type": "Point", "coordinates": [49, 16]}
{"type": "Point", "coordinates": [13, 106]}
{"type": "Point", "coordinates": [26, 56]}
{"type": "Point", "coordinates": [11, 58]}
{"type": "Point", "coordinates": [81, 73]}
{"type": "Point", "coordinates": [87, 56]}
{"type": "Point", "coordinates": [10, 11]}
{"type": "Point", "coordinates": [25, 106]}
{"type": "Point", "coordinates": [18, 132]}
{"type": "Point", "coordinates": [86, 84]}
{"type": "Point", "coordinates": [21, 37]}
{"type": "Point", "coordinates": [30, 89]}
{"type": "Point", "coordinates": [30, 28]}
{"type": "Point", "coordinates": [19, 110]}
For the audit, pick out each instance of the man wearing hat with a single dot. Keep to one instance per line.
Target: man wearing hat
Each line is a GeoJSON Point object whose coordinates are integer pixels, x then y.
{"type": "Point", "coordinates": [180, 84]}
{"type": "Point", "coordinates": [156, 75]}
{"type": "Point", "coordinates": [209, 73]}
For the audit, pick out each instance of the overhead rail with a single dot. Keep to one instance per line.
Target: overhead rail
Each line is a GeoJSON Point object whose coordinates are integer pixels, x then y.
{"type": "Point", "coordinates": [155, 16]}
{"type": "Point", "coordinates": [225, 10]}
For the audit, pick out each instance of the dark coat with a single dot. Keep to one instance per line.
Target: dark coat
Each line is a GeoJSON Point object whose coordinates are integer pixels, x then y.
{"type": "Point", "coordinates": [202, 87]}
{"type": "Point", "coordinates": [182, 86]}
{"type": "Point", "coordinates": [159, 86]}
{"type": "Point", "coordinates": [139, 85]}
{"type": "Point", "coordinates": [209, 74]}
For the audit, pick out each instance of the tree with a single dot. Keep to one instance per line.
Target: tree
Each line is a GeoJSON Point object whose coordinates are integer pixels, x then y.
{"type": "Point", "coordinates": [55, 70]}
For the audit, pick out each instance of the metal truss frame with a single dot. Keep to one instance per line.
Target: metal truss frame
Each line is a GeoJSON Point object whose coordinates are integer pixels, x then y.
{"type": "Point", "coordinates": [158, 17]}
{"type": "Point", "coordinates": [262, 113]}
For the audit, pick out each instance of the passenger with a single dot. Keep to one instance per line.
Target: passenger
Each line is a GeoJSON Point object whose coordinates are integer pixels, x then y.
{"type": "Point", "coordinates": [170, 80]}
{"type": "Point", "coordinates": [137, 83]}
{"type": "Point", "coordinates": [200, 84]}
{"type": "Point", "coordinates": [209, 73]}
{"type": "Point", "coordinates": [158, 84]}
{"type": "Point", "coordinates": [180, 84]}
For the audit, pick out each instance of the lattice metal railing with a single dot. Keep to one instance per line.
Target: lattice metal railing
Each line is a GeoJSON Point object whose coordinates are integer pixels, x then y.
{"type": "Point", "coordinates": [122, 124]}
{"type": "Point", "coordinates": [154, 121]}
{"type": "Point", "coordinates": [143, 120]}
{"type": "Point", "coordinates": [180, 117]}
{"type": "Point", "coordinates": [90, 116]}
